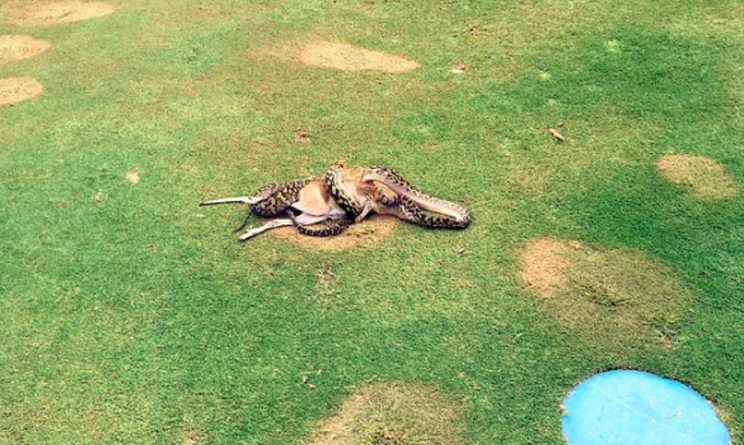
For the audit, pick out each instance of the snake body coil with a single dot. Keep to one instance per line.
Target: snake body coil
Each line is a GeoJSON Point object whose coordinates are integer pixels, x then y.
{"type": "Point", "coordinates": [412, 201]}
{"type": "Point", "coordinates": [276, 200]}
{"type": "Point", "coordinates": [277, 197]}
{"type": "Point", "coordinates": [341, 194]}
{"type": "Point", "coordinates": [338, 204]}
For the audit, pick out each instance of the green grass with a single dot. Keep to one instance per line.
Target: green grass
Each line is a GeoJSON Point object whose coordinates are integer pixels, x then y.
{"type": "Point", "coordinates": [126, 317]}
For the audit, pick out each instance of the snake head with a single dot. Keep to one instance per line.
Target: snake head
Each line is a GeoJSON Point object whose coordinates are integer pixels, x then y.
{"type": "Point", "coordinates": [388, 177]}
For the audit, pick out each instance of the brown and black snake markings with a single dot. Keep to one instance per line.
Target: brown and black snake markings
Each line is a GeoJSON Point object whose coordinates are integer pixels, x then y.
{"type": "Point", "coordinates": [414, 201]}
{"type": "Point", "coordinates": [341, 194]}
{"type": "Point", "coordinates": [276, 198]}
{"type": "Point", "coordinates": [408, 203]}
{"type": "Point", "coordinates": [344, 202]}
{"type": "Point", "coordinates": [309, 197]}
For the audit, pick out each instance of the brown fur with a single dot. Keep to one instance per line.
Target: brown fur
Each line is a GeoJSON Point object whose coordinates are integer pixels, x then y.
{"type": "Point", "coordinates": [314, 198]}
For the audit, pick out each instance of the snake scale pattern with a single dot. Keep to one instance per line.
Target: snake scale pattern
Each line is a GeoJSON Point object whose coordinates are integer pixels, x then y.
{"type": "Point", "coordinates": [410, 203]}
{"type": "Point", "coordinates": [338, 204]}
{"type": "Point", "coordinates": [414, 200]}
{"type": "Point", "coordinates": [276, 199]}
{"type": "Point", "coordinates": [339, 192]}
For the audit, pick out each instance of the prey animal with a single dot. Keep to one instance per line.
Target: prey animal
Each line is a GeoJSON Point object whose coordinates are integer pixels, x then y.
{"type": "Point", "coordinates": [344, 202]}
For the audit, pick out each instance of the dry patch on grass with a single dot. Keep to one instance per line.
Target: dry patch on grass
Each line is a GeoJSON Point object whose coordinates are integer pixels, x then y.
{"type": "Point", "coordinates": [46, 14]}
{"type": "Point", "coordinates": [704, 177]}
{"type": "Point", "coordinates": [133, 176]}
{"type": "Point", "coordinates": [193, 437]}
{"type": "Point", "coordinates": [18, 89]}
{"type": "Point", "coordinates": [727, 20]}
{"type": "Point", "coordinates": [350, 58]}
{"type": "Point", "coordinates": [365, 234]}
{"type": "Point", "coordinates": [608, 297]}
{"type": "Point", "coordinates": [544, 266]}
{"type": "Point", "coordinates": [393, 414]}
{"type": "Point", "coordinates": [19, 47]}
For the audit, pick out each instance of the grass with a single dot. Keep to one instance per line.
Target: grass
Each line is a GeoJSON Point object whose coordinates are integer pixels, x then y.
{"type": "Point", "coordinates": [393, 414]}
{"type": "Point", "coordinates": [621, 298]}
{"type": "Point", "coordinates": [128, 318]}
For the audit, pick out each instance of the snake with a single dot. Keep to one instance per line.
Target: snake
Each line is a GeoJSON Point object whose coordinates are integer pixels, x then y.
{"type": "Point", "coordinates": [381, 190]}
{"type": "Point", "coordinates": [341, 194]}
{"type": "Point", "coordinates": [276, 199]}
{"type": "Point", "coordinates": [332, 229]}
{"type": "Point", "coordinates": [413, 203]}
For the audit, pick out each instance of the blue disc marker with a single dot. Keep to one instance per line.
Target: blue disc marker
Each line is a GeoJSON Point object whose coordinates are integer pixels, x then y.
{"type": "Point", "coordinates": [633, 407]}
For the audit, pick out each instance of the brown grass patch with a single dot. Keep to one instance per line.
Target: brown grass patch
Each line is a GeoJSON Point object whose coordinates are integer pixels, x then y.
{"type": "Point", "coordinates": [704, 177]}
{"type": "Point", "coordinates": [544, 266]}
{"type": "Point", "coordinates": [18, 89]}
{"type": "Point", "coordinates": [350, 58]}
{"type": "Point", "coordinates": [133, 176]}
{"type": "Point", "coordinates": [193, 437]}
{"type": "Point", "coordinates": [393, 414]}
{"type": "Point", "coordinates": [365, 234]}
{"type": "Point", "coordinates": [45, 14]}
{"type": "Point", "coordinates": [18, 47]}
{"type": "Point", "coordinates": [727, 20]}
{"type": "Point", "coordinates": [612, 296]}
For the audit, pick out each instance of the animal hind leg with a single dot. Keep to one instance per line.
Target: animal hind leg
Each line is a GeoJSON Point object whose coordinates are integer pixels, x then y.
{"type": "Point", "coordinates": [268, 226]}
{"type": "Point", "coordinates": [303, 219]}
{"type": "Point", "coordinates": [278, 195]}
{"type": "Point", "coordinates": [250, 200]}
